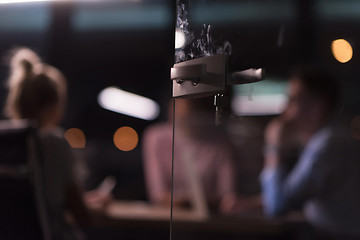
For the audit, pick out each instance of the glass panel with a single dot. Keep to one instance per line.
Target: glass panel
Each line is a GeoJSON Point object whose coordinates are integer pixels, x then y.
{"type": "Point", "coordinates": [203, 165]}
{"type": "Point", "coordinates": [217, 192]}
{"type": "Point", "coordinates": [216, 167]}
{"type": "Point", "coordinates": [250, 32]}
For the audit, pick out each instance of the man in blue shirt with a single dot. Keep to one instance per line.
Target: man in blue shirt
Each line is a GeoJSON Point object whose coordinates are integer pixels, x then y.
{"type": "Point", "coordinates": [325, 180]}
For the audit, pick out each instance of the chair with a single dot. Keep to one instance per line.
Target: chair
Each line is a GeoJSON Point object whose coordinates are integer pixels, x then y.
{"type": "Point", "coordinates": [23, 208]}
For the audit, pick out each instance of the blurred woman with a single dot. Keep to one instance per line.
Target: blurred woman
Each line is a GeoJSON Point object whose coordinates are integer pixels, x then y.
{"type": "Point", "coordinates": [203, 159]}
{"type": "Point", "coordinates": [37, 91]}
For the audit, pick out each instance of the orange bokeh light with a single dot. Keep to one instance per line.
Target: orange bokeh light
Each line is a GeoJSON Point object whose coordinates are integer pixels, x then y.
{"type": "Point", "coordinates": [126, 139]}
{"type": "Point", "coordinates": [342, 50]}
{"type": "Point", "coordinates": [75, 137]}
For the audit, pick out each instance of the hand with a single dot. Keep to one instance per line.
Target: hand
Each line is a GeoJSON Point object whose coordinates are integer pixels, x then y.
{"type": "Point", "coordinates": [96, 199]}
{"type": "Point", "coordinates": [280, 135]}
{"type": "Point", "coordinates": [228, 203]}
{"type": "Point", "coordinates": [232, 204]}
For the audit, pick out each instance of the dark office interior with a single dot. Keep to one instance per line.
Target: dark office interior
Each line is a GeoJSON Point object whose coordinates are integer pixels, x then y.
{"type": "Point", "coordinates": [128, 46]}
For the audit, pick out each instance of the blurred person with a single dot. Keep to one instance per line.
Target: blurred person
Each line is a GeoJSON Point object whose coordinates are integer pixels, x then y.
{"type": "Point", "coordinates": [310, 161]}
{"type": "Point", "coordinates": [37, 91]}
{"type": "Point", "coordinates": [196, 143]}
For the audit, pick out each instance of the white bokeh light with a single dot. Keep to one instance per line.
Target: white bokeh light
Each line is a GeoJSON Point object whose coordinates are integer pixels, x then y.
{"type": "Point", "coordinates": [120, 101]}
{"type": "Point", "coordinates": [180, 39]}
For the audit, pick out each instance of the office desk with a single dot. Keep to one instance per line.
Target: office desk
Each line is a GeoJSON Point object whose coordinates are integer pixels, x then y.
{"type": "Point", "coordinates": [136, 220]}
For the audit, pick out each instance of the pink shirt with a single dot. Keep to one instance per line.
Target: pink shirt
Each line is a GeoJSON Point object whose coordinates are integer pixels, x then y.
{"type": "Point", "coordinates": [212, 160]}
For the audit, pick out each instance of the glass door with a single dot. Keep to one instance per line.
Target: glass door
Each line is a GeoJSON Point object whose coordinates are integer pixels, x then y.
{"type": "Point", "coordinates": [222, 102]}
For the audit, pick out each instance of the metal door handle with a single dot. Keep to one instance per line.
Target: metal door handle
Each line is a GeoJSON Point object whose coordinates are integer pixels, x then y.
{"type": "Point", "coordinates": [247, 76]}
{"type": "Point", "coordinates": [187, 73]}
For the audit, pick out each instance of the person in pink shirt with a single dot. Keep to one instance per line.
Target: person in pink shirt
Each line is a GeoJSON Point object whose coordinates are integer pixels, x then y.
{"type": "Point", "coordinates": [201, 155]}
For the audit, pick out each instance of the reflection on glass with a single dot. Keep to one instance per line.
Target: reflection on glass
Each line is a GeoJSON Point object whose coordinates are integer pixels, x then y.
{"type": "Point", "coordinates": [180, 39]}
{"type": "Point", "coordinates": [200, 42]}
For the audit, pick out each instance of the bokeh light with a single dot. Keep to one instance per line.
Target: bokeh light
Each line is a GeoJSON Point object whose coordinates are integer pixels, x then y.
{"type": "Point", "coordinates": [75, 137]}
{"type": "Point", "coordinates": [179, 38]}
{"type": "Point", "coordinates": [126, 139]}
{"type": "Point", "coordinates": [120, 101]}
{"type": "Point", "coordinates": [342, 50]}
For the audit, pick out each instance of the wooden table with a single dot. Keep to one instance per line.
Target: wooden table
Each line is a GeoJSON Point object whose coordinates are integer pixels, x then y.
{"type": "Point", "coordinates": [139, 220]}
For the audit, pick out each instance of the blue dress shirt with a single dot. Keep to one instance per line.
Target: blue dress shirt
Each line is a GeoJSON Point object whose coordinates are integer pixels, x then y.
{"type": "Point", "coordinates": [325, 181]}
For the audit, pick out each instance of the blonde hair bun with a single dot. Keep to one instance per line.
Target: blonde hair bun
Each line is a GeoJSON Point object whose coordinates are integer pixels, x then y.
{"type": "Point", "coordinates": [22, 65]}
{"type": "Point", "coordinates": [34, 87]}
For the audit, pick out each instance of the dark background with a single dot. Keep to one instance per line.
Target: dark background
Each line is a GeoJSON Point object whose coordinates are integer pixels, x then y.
{"type": "Point", "coordinates": [130, 44]}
